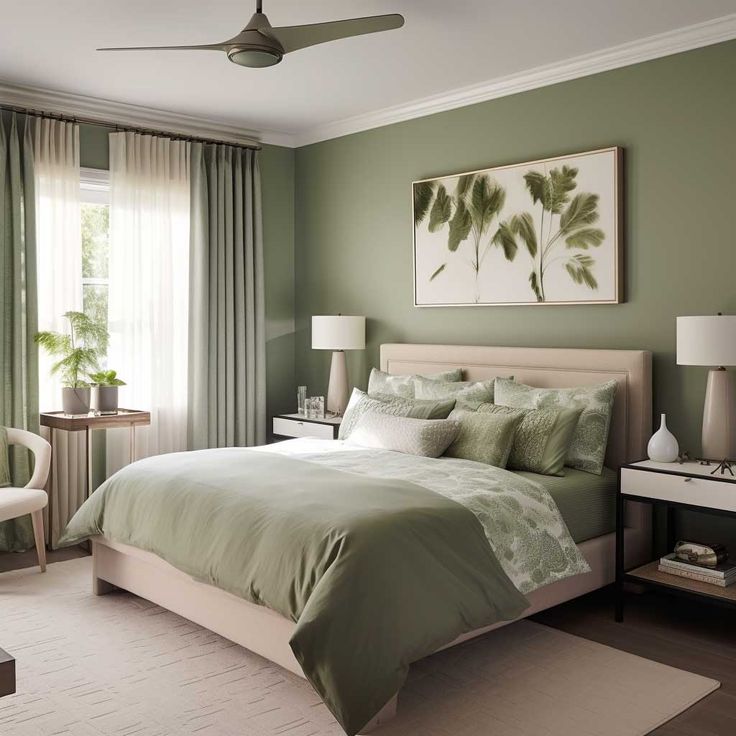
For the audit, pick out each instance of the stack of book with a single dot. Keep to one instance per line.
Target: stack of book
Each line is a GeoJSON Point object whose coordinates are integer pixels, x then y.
{"type": "Point", "coordinates": [722, 575]}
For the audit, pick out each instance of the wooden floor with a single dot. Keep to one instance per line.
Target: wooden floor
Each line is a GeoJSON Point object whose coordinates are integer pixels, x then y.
{"type": "Point", "coordinates": [675, 631]}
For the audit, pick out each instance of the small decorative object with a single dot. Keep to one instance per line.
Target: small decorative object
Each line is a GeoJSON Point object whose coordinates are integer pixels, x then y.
{"type": "Point", "coordinates": [542, 232]}
{"type": "Point", "coordinates": [301, 400]}
{"type": "Point", "coordinates": [315, 407]}
{"type": "Point", "coordinates": [711, 341]}
{"type": "Point", "coordinates": [78, 352]}
{"type": "Point", "coordinates": [663, 447]}
{"type": "Point", "coordinates": [707, 555]}
{"type": "Point", "coordinates": [338, 333]}
{"type": "Point", "coordinates": [105, 391]}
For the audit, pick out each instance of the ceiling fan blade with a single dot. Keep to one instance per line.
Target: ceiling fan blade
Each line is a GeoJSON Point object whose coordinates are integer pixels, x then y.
{"type": "Point", "coordinates": [293, 38]}
{"type": "Point", "coordinates": [201, 47]}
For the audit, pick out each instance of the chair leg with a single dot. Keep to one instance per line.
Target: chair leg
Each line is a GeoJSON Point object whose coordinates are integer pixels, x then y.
{"type": "Point", "coordinates": [37, 519]}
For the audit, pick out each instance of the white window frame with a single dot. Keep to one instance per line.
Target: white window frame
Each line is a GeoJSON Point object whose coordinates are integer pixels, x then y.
{"type": "Point", "coordinates": [94, 188]}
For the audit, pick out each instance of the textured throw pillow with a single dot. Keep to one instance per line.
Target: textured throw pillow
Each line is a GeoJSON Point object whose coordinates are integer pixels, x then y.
{"type": "Point", "coordinates": [469, 392]}
{"type": "Point", "coordinates": [486, 438]}
{"type": "Point", "coordinates": [360, 403]}
{"type": "Point", "coordinates": [424, 437]}
{"type": "Point", "coordinates": [542, 437]}
{"type": "Point", "coordinates": [588, 447]}
{"type": "Point", "coordinates": [381, 383]}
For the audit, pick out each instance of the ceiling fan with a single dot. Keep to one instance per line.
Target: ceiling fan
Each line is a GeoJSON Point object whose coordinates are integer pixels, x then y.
{"type": "Point", "coordinates": [259, 44]}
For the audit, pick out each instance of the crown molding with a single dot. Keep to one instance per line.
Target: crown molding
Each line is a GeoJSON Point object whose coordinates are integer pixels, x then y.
{"type": "Point", "coordinates": [111, 112]}
{"type": "Point", "coordinates": [645, 49]}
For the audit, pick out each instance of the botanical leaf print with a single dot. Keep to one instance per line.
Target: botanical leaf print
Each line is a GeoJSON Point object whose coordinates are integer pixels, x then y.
{"type": "Point", "coordinates": [519, 517]}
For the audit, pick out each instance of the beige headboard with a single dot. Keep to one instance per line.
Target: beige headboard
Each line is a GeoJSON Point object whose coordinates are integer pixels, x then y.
{"type": "Point", "coordinates": [554, 368]}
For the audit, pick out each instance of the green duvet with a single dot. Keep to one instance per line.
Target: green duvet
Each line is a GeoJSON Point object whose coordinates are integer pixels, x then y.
{"type": "Point", "coordinates": [376, 572]}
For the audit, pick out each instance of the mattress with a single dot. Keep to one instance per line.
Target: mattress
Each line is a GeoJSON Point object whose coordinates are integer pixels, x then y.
{"type": "Point", "coordinates": [587, 502]}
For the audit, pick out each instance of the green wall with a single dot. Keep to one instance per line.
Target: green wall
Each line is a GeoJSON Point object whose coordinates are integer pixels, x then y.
{"type": "Point", "coordinates": [277, 182]}
{"type": "Point", "coordinates": [675, 118]}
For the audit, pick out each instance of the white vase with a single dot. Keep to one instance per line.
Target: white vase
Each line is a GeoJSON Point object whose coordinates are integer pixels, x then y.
{"type": "Point", "coordinates": [663, 447]}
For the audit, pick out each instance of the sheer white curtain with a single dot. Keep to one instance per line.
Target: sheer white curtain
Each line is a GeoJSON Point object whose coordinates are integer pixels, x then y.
{"type": "Point", "coordinates": [149, 289]}
{"type": "Point", "coordinates": [59, 249]}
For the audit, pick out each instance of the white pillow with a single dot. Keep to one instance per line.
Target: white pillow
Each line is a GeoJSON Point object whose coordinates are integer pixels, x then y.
{"type": "Point", "coordinates": [381, 383]}
{"type": "Point", "coordinates": [423, 437]}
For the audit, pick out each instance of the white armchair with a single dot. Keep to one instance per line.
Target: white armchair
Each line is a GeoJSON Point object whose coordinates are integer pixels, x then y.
{"type": "Point", "coordinates": [32, 499]}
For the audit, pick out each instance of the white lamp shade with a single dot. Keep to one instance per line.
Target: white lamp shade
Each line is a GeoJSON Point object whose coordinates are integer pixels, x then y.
{"type": "Point", "coordinates": [338, 333]}
{"type": "Point", "coordinates": [709, 340]}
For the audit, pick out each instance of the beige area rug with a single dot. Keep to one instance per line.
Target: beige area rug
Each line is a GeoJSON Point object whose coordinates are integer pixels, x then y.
{"type": "Point", "coordinates": [120, 666]}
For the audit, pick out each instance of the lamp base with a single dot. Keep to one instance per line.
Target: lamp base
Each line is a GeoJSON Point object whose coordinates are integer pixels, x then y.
{"type": "Point", "coordinates": [337, 391]}
{"type": "Point", "coordinates": [719, 416]}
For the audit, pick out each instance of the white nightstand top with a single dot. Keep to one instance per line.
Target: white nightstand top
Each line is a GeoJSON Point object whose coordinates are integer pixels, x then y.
{"type": "Point", "coordinates": [692, 467]}
{"type": "Point", "coordinates": [688, 483]}
{"type": "Point", "coordinates": [300, 418]}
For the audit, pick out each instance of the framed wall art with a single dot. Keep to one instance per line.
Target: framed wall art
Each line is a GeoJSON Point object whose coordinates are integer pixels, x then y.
{"type": "Point", "coordinates": [542, 232]}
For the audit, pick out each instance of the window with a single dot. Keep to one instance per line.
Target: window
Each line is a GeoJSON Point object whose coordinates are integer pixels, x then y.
{"type": "Point", "coordinates": [95, 221]}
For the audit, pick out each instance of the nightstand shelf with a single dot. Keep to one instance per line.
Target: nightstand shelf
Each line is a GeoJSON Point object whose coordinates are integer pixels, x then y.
{"type": "Point", "coordinates": [688, 486]}
{"type": "Point", "coordinates": [295, 425]}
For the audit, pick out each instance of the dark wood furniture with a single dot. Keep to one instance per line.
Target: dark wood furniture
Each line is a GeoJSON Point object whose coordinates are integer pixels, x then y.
{"type": "Point", "coordinates": [690, 486]}
{"type": "Point", "coordinates": [7, 674]}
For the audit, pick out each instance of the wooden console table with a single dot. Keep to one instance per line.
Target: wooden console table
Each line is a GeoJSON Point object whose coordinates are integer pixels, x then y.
{"type": "Point", "coordinates": [7, 674]}
{"type": "Point", "coordinates": [86, 423]}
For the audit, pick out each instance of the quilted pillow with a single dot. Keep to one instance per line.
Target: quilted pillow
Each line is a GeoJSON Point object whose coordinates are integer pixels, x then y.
{"type": "Point", "coordinates": [588, 447]}
{"type": "Point", "coordinates": [483, 437]}
{"type": "Point", "coordinates": [424, 437]}
{"type": "Point", "coordinates": [381, 383]}
{"type": "Point", "coordinates": [469, 392]}
{"type": "Point", "coordinates": [360, 403]}
{"type": "Point", "coordinates": [542, 438]}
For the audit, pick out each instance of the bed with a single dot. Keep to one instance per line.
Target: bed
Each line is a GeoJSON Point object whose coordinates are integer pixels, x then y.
{"type": "Point", "coordinates": [268, 633]}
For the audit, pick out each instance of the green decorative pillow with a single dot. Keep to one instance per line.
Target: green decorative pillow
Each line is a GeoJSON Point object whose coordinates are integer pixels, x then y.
{"type": "Point", "coordinates": [360, 403]}
{"type": "Point", "coordinates": [542, 437]}
{"type": "Point", "coordinates": [422, 437]}
{"type": "Point", "coordinates": [469, 392]}
{"type": "Point", "coordinates": [381, 383]}
{"type": "Point", "coordinates": [484, 437]}
{"type": "Point", "coordinates": [588, 447]}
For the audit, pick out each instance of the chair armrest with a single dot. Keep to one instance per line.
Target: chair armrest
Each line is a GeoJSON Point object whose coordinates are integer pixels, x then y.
{"type": "Point", "coordinates": [41, 452]}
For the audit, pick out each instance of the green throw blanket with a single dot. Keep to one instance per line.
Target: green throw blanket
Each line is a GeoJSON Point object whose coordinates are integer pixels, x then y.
{"type": "Point", "coordinates": [5, 479]}
{"type": "Point", "coordinates": [377, 573]}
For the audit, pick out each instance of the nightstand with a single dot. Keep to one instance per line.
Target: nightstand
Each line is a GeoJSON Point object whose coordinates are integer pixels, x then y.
{"type": "Point", "coordinates": [295, 425]}
{"type": "Point", "coordinates": [687, 486]}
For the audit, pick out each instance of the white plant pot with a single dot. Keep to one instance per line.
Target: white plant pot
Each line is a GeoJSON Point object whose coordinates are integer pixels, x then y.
{"type": "Point", "coordinates": [663, 447]}
{"type": "Point", "coordinates": [75, 400]}
{"type": "Point", "coordinates": [105, 399]}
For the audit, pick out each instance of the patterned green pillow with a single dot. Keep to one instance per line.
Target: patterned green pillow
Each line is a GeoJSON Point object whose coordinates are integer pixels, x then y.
{"type": "Point", "coordinates": [542, 437]}
{"type": "Point", "coordinates": [486, 438]}
{"type": "Point", "coordinates": [360, 403]}
{"type": "Point", "coordinates": [588, 447]}
{"type": "Point", "coordinates": [387, 384]}
{"type": "Point", "coordinates": [469, 392]}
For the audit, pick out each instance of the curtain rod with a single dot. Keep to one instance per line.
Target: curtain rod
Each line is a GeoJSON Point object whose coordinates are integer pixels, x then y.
{"type": "Point", "coordinates": [120, 128]}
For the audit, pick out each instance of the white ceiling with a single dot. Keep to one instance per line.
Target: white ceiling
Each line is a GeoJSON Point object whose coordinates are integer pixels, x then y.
{"type": "Point", "coordinates": [445, 45]}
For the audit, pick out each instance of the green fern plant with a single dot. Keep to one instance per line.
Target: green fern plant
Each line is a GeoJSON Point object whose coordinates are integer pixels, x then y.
{"type": "Point", "coordinates": [78, 351]}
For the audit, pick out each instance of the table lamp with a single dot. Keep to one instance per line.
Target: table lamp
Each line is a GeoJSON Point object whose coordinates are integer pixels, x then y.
{"type": "Point", "coordinates": [338, 333]}
{"type": "Point", "coordinates": [711, 341]}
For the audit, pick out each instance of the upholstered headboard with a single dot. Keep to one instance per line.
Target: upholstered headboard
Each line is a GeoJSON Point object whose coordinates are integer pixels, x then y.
{"type": "Point", "coordinates": [631, 423]}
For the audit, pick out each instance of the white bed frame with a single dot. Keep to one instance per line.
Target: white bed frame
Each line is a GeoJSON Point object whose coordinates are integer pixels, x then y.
{"type": "Point", "coordinates": [267, 633]}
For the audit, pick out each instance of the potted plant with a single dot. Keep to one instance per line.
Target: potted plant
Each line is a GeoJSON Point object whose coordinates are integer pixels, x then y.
{"type": "Point", "coordinates": [105, 391]}
{"type": "Point", "coordinates": [78, 353]}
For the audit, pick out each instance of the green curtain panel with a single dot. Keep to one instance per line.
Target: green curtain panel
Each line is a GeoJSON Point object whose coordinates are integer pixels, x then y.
{"type": "Point", "coordinates": [19, 322]}
{"type": "Point", "coordinates": [227, 364]}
